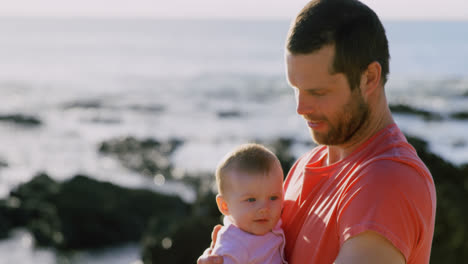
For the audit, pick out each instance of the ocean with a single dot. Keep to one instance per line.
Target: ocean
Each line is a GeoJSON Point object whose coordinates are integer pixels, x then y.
{"type": "Point", "coordinates": [90, 80]}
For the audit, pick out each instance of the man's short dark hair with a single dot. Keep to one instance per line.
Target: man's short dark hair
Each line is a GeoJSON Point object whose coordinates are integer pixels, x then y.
{"type": "Point", "coordinates": [353, 28]}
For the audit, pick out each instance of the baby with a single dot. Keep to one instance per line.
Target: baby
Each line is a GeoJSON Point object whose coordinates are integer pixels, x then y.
{"type": "Point", "coordinates": [250, 185]}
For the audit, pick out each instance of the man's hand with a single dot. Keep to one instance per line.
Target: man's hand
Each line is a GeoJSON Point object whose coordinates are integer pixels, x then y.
{"type": "Point", "coordinates": [207, 258]}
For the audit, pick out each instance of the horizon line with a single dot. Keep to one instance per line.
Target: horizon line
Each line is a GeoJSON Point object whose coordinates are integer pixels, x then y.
{"type": "Point", "coordinates": [213, 18]}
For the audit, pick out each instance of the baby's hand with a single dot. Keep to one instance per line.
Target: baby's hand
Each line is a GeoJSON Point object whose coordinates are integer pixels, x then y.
{"type": "Point", "coordinates": [207, 258]}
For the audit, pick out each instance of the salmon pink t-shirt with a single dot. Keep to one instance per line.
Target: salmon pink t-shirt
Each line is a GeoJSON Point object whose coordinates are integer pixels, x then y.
{"type": "Point", "coordinates": [382, 186]}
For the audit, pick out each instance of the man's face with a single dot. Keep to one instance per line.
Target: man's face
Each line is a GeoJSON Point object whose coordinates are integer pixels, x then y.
{"type": "Point", "coordinates": [332, 111]}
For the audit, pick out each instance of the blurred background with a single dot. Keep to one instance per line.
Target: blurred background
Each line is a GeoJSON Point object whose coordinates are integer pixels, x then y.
{"type": "Point", "coordinates": [143, 94]}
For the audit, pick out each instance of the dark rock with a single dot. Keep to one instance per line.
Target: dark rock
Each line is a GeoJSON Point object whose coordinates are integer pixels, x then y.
{"type": "Point", "coordinates": [3, 164]}
{"type": "Point", "coordinates": [83, 213]}
{"type": "Point", "coordinates": [21, 119]}
{"type": "Point", "coordinates": [149, 157]}
{"type": "Point", "coordinates": [5, 221]}
{"type": "Point", "coordinates": [39, 188]}
{"type": "Point", "coordinates": [111, 214]}
{"type": "Point", "coordinates": [27, 202]}
{"type": "Point", "coordinates": [450, 244]}
{"type": "Point", "coordinates": [404, 109]}
{"type": "Point", "coordinates": [85, 104]}
{"type": "Point", "coordinates": [104, 120]}
{"type": "Point", "coordinates": [28, 205]}
{"type": "Point", "coordinates": [148, 108]}
{"type": "Point", "coordinates": [229, 114]}
{"type": "Point", "coordinates": [282, 148]}
{"type": "Point", "coordinates": [182, 242]}
{"type": "Point", "coordinates": [459, 143]}
{"type": "Point", "coordinates": [460, 115]}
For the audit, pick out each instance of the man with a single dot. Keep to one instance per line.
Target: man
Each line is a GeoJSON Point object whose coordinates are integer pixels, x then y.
{"type": "Point", "coordinates": [362, 195]}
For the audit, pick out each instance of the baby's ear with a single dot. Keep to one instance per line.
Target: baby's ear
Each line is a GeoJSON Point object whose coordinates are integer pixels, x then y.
{"type": "Point", "coordinates": [222, 205]}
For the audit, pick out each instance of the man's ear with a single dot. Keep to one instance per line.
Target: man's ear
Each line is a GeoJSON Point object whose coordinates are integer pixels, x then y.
{"type": "Point", "coordinates": [222, 205]}
{"type": "Point", "coordinates": [371, 78]}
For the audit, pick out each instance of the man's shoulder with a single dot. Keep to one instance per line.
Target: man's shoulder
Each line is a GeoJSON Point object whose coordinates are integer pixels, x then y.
{"type": "Point", "coordinates": [390, 146]}
{"type": "Point", "coordinates": [398, 157]}
{"type": "Point", "coordinates": [399, 178]}
{"type": "Point", "coordinates": [394, 169]}
{"type": "Point", "coordinates": [391, 161]}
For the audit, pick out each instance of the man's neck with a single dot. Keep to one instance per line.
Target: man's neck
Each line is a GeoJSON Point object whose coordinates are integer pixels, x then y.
{"type": "Point", "coordinates": [336, 153]}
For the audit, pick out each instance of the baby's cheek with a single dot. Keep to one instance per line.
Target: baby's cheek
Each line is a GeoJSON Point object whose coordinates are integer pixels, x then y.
{"type": "Point", "coordinates": [277, 212]}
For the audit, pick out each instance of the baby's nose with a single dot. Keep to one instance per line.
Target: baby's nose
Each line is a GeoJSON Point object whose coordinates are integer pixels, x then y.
{"type": "Point", "coordinates": [264, 209]}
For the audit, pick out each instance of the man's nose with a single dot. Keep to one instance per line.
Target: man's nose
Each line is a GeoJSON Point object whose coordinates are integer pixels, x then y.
{"type": "Point", "coordinates": [303, 105]}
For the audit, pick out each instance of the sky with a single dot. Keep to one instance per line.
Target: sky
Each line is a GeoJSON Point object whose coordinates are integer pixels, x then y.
{"type": "Point", "coordinates": [232, 9]}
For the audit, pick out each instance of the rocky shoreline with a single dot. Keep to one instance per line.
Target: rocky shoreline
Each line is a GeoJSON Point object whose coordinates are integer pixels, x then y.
{"type": "Point", "coordinates": [427, 115]}
{"type": "Point", "coordinates": [21, 119]}
{"type": "Point", "coordinates": [83, 213]}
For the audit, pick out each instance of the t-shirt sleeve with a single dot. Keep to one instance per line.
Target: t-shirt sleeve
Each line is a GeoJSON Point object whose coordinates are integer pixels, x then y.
{"type": "Point", "coordinates": [389, 198]}
{"type": "Point", "coordinates": [231, 248]}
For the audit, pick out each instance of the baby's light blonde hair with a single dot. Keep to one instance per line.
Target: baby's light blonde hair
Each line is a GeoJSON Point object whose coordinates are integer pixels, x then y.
{"type": "Point", "coordinates": [248, 158]}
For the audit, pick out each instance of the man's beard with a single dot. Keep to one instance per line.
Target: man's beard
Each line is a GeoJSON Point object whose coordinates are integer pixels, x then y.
{"type": "Point", "coordinates": [347, 122]}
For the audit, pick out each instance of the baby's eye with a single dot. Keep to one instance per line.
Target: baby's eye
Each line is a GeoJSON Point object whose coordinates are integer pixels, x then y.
{"type": "Point", "coordinates": [251, 200]}
{"type": "Point", "coordinates": [273, 198]}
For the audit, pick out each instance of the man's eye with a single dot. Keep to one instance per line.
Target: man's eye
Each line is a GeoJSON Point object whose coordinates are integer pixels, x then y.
{"type": "Point", "coordinates": [273, 198]}
{"type": "Point", "coordinates": [250, 200]}
{"type": "Point", "coordinates": [316, 93]}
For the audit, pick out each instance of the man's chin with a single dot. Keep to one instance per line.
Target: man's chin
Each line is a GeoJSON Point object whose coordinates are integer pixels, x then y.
{"type": "Point", "coordinates": [319, 138]}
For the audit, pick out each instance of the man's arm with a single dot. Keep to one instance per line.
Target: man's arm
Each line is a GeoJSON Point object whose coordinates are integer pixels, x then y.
{"type": "Point", "coordinates": [369, 248]}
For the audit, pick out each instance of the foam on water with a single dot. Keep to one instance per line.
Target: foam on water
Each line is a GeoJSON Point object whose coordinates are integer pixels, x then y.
{"type": "Point", "coordinates": [20, 249]}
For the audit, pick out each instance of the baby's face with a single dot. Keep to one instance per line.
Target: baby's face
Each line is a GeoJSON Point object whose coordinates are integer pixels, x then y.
{"type": "Point", "coordinates": [255, 201]}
